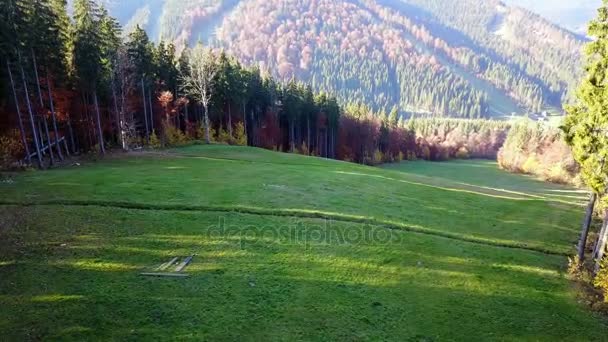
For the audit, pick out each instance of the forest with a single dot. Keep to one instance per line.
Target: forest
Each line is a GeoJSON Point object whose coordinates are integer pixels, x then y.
{"type": "Point", "coordinates": [73, 86]}
{"type": "Point", "coordinates": [403, 49]}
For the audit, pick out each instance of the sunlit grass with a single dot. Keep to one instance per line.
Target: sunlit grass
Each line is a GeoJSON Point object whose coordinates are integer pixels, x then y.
{"type": "Point", "coordinates": [287, 248]}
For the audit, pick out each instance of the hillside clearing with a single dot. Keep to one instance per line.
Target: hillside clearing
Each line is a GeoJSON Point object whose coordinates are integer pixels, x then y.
{"type": "Point", "coordinates": [287, 247]}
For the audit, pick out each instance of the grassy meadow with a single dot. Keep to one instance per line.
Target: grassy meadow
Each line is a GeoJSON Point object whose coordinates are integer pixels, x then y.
{"type": "Point", "coordinates": [287, 248]}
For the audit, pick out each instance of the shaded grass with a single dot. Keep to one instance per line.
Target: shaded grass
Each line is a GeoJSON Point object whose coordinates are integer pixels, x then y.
{"type": "Point", "coordinates": [76, 279]}
{"type": "Point", "coordinates": [298, 213]}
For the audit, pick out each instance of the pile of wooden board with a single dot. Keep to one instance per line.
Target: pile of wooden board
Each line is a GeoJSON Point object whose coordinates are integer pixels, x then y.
{"type": "Point", "coordinates": [164, 270]}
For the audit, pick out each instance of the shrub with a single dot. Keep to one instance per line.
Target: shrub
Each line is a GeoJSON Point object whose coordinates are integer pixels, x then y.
{"type": "Point", "coordinates": [174, 136]}
{"type": "Point", "coordinates": [462, 153]}
{"type": "Point", "coordinates": [240, 136]}
{"type": "Point", "coordinates": [601, 279]}
{"type": "Point", "coordinates": [154, 141]}
{"type": "Point", "coordinates": [224, 137]}
{"type": "Point", "coordinates": [531, 166]}
{"type": "Point", "coordinates": [200, 134]}
{"type": "Point", "coordinates": [378, 157]}
{"type": "Point", "coordinates": [11, 148]}
{"type": "Point", "coordinates": [303, 149]}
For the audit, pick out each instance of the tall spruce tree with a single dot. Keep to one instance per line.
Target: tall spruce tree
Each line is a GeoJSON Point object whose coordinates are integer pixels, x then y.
{"type": "Point", "coordinates": [88, 56]}
{"type": "Point", "coordinates": [586, 125]}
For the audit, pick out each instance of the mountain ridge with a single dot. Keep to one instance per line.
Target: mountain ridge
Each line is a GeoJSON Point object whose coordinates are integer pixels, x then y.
{"type": "Point", "coordinates": [495, 60]}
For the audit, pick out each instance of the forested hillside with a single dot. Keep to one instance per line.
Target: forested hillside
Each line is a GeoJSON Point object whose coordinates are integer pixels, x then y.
{"type": "Point", "coordinates": [467, 59]}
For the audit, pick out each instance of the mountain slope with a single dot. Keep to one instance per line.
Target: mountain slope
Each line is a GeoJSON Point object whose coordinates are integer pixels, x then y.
{"type": "Point", "coordinates": [572, 15]}
{"type": "Point", "coordinates": [469, 58]}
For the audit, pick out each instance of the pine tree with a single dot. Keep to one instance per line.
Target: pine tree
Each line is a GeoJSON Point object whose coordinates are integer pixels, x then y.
{"type": "Point", "coordinates": [88, 55]}
{"type": "Point", "coordinates": [586, 126]}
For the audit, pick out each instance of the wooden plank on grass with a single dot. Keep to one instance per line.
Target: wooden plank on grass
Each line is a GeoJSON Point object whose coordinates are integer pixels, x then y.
{"type": "Point", "coordinates": [167, 264]}
{"type": "Point", "coordinates": [170, 275]}
{"type": "Point", "coordinates": [185, 263]}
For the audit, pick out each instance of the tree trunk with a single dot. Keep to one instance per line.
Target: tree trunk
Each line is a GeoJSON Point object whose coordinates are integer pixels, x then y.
{"type": "Point", "coordinates": [143, 93]}
{"type": "Point", "coordinates": [119, 137]}
{"type": "Point", "coordinates": [291, 135]}
{"type": "Point", "coordinates": [245, 123]}
{"type": "Point", "coordinates": [42, 116]}
{"type": "Point", "coordinates": [582, 242]}
{"type": "Point", "coordinates": [40, 137]}
{"type": "Point", "coordinates": [33, 123]}
{"type": "Point", "coordinates": [102, 148]}
{"type": "Point", "coordinates": [308, 134]}
{"type": "Point", "coordinates": [28, 158]}
{"type": "Point", "coordinates": [72, 141]}
{"type": "Point", "coordinates": [151, 109]}
{"type": "Point", "coordinates": [48, 139]}
{"type": "Point", "coordinates": [229, 120]}
{"type": "Point", "coordinates": [54, 117]}
{"type": "Point", "coordinates": [85, 103]}
{"type": "Point", "coordinates": [186, 115]}
{"type": "Point", "coordinates": [601, 243]}
{"type": "Point", "coordinates": [327, 142]}
{"type": "Point", "coordinates": [206, 122]}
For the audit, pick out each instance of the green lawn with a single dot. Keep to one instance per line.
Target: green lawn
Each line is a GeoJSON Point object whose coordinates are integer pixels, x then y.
{"type": "Point", "coordinates": [287, 248]}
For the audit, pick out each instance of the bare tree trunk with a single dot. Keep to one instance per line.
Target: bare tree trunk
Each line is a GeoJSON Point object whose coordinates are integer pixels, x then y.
{"type": "Point", "coordinates": [206, 120]}
{"type": "Point", "coordinates": [151, 109]}
{"type": "Point", "coordinates": [42, 116]}
{"type": "Point", "coordinates": [582, 242]}
{"type": "Point", "coordinates": [229, 120]}
{"type": "Point", "coordinates": [119, 136]}
{"type": "Point", "coordinates": [40, 137]}
{"type": "Point", "coordinates": [48, 139]}
{"type": "Point", "coordinates": [186, 114]}
{"type": "Point", "coordinates": [327, 143]}
{"type": "Point", "coordinates": [32, 122]}
{"type": "Point", "coordinates": [143, 92]}
{"type": "Point", "coordinates": [28, 158]}
{"type": "Point", "coordinates": [54, 117]}
{"type": "Point", "coordinates": [102, 148]}
{"type": "Point", "coordinates": [85, 103]}
{"type": "Point", "coordinates": [308, 134]}
{"type": "Point", "coordinates": [600, 248]}
{"type": "Point", "coordinates": [253, 130]}
{"type": "Point", "coordinates": [245, 122]}
{"type": "Point", "coordinates": [72, 141]}
{"type": "Point", "coordinates": [291, 135]}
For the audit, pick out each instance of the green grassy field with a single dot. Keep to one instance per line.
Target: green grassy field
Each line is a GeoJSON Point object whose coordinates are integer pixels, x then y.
{"type": "Point", "coordinates": [287, 248]}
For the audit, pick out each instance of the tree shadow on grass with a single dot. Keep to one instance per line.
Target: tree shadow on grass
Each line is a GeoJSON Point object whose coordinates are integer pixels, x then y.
{"type": "Point", "coordinates": [245, 286]}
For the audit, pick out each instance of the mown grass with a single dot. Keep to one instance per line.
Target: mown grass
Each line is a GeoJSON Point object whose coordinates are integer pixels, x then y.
{"type": "Point", "coordinates": [288, 247]}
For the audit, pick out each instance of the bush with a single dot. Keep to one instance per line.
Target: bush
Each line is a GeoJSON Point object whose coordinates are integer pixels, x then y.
{"type": "Point", "coordinates": [174, 136]}
{"type": "Point", "coordinates": [531, 166]}
{"type": "Point", "coordinates": [223, 137]}
{"type": "Point", "coordinates": [462, 153]}
{"type": "Point", "coordinates": [378, 157]}
{"type": "Point", "coordinates": [154, 141]}
{"type": "Point", "coordinates": [11, 148]}
{"type": "Point", "coordinates": [200, 134]}
{"type": "Point", "coordinates": [303, 149]}
{"type": "Point", "coordinates": [240, 136]}
{"type": "Point", "coordinates": [601, 279]}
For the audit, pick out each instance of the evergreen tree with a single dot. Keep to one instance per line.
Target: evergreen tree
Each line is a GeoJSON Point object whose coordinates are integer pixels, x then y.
{"type": "Point", "coordinates": [586, 126]}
